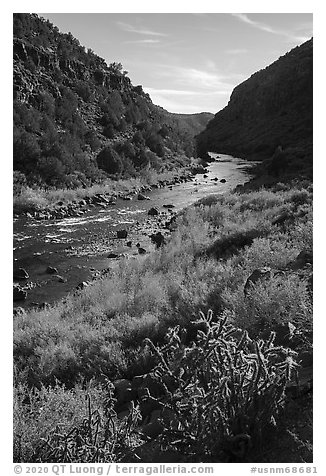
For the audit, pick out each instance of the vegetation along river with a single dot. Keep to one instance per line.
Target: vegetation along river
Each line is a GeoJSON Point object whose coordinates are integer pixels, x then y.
{"type": "Point", "coordinates": [79, 247]}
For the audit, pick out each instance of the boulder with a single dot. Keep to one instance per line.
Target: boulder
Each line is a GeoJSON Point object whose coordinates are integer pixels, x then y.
{"type": "Point", "coordinates": [258, 275]}
{"type": "Point", "coordinates": [153, 212]}
{"type": "Point", "coordinates": [18, 311]}
{"type": "Point", "coordinates": [123, 391]}
{"type": "Point", "coordinates": [141, 250]}
{"type": "Point", "coordinates": [60, 279]}
{"type": "Point", "coordinates": [304, 258]}
{"type": "Point", "coordinates": [19, 294]}
{"type": "Point", "coordinates": [142, 197]}
{"type": "Point", "coordinates": [282, 218]}
{"type": "Point", "coordinates": [82, 285]}
{"type": "Point", "coordinates": [223, 180]}
{"type": "Point", "coordinates": [51, 270]}
{"type": "Point", "coordinates": [113, 255]}
{"type": "Point", "coordinates": [122, 233]}
{"type": "Point", "coordinates": [169, 205]}
{"type": "Point", "coordinates": [20, 274]}
{"type": "Point", "coordinates": [157, 239]}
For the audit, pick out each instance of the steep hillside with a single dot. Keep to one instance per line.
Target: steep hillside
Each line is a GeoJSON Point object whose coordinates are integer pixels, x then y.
{"type": "Point", "coordinates": [196, 122]}
{"type": "Point", "coordinates": [77, 119]}
{"type": "Point", "coordinates": [269, 113]}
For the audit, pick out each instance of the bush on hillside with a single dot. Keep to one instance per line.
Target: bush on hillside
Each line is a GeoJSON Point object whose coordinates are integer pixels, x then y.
{"type": "Point", "coordinates": [109, 161]}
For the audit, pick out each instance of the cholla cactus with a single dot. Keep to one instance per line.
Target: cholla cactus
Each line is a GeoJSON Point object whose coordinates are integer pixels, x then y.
{"type": "Point", "coordinates": [229, 389]}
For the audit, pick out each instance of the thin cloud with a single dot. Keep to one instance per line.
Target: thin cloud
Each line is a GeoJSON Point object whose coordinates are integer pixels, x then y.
{"type": "Point", "coordinates": [263, 27]}
{"type": "Point", "coordinates": [180, 92]}
{"type": "Point", "coordinates": [204, 80]}
{"type": "Point", "coordinates": [148, 41]}
{"type": "Point", "coordinates": [187, 102]}
{"type": "Point", "coordinates": [140, 31]}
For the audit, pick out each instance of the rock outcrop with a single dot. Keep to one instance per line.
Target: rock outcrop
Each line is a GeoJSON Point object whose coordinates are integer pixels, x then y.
{"type": "Point", "coordinates": [272, 108]}
{"type": "Point", "coordinates": [77, 118]}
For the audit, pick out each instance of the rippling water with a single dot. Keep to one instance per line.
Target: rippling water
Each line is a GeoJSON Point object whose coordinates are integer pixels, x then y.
{"type": "Point", "coordinates": [77, 246]}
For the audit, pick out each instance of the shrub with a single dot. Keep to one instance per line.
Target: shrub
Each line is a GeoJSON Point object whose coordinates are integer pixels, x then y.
{"type": "Point", "coordinates": [52, 170]}
{"type": "Point", "coordinates": [229, 390]}
{"type": "Point", "coordinates": [109, 161]}
{"type": "Point", "coordinates": [59, 425]}
{"type": "Point", "coordinates": [19, 182]}
{"type": "Point", "coordinates": [277, 301]}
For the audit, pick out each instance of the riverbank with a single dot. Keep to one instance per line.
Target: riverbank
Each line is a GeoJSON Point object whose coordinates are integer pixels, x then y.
{"type": "Point", "coordinates": [246, 257]}
{"type": "Point", "coordinates": [60, 203]}
{"type": "Point", "coordinates": [101, 230]}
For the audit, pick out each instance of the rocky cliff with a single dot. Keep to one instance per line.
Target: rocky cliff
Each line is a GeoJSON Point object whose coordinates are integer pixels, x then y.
{"type": "Point", "coordinates": [70, 107]}
{"type": "Point", "coordinates": [272, 110]}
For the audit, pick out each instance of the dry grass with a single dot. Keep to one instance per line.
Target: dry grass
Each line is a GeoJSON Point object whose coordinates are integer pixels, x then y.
{"type": "Point", "coordinates": [99, 331]}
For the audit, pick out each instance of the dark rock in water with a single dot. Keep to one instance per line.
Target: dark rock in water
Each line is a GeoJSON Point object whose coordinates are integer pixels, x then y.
{"type": "Point", "coordinates": [51, 270]}
{"type": "Point", "coordinates": [82, 285]}
{"type": "Point", "coordinates": [19, 294]}
{"type": "Point", "coordinates": [122, 233]}
{"type": "Point", "coordinates": [256, 276]}
{"type": "Point", "coordinates": [142, 197]}
{"type": "Point", "coordinates": [158, 239]}
{"type": "Point", "coordinates": [20, 274]}
{"type": "Point", "coordinates": [113, 255]}
{"type": "Point", "coordinates": [153, 212]}
{"type": "Point", "coordinates": [223, 180]}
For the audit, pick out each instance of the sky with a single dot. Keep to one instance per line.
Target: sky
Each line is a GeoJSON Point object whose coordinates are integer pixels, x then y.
{"type": "Point", "coordinates": [188, 62]}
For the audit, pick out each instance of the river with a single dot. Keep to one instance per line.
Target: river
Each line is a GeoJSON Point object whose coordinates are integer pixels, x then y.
{"type": "Point", "coordinates": [78, 247]}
